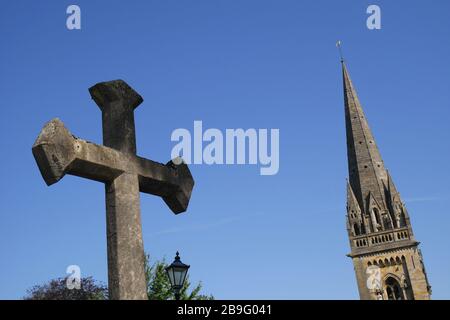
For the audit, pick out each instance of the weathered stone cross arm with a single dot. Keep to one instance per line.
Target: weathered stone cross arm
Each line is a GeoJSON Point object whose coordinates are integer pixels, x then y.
{"type": "Point", "coordinates": [124, 174]}
{"type": "Point", "coordinates": [58, 152]}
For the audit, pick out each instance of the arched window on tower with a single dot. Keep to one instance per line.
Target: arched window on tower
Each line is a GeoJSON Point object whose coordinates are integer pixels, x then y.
{"type": "Point", "coordinates": [376, 219]}
{"type": "Point", "coordinates": [363, 228]}
{"type": "Point", "coordinates": [376, 213]}
{"type": "Point", "coordinates": [399, 215]}
{"type": "Point", "coordinates": [356, 230]}
{"type": "Point", "coordinates": [393, 289]}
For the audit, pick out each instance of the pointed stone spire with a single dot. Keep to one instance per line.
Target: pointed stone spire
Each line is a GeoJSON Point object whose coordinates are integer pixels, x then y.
{"type": "Point", "coordinates": [352, 202]}
{"type": "Point", "coordinates": [356, 224]}
{"type": "Point", "coordinates": [398, 211]}
{"type": "Point", "coordinates": [378, 225]}
{"type": "Point", "coordinates": [366, 168]}
{"type": "Point", "coordinates": [391, 187]}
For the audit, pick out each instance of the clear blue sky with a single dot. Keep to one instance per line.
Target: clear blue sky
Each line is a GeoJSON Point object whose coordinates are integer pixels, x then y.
{"type": "Point", "coordinates": [246, 64]}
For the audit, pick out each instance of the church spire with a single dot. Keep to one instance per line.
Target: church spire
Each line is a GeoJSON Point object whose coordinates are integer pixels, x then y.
{"type": "Point", "coordinates": [366, 168]}
{"type": "Point", "coordinates": [379, 229]}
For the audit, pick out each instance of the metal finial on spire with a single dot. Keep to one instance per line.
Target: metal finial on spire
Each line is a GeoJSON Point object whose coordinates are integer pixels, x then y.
{"type": "Point", "coordinates": [339, 46]}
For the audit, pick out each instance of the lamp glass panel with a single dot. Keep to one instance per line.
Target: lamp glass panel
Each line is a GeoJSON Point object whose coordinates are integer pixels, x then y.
{"type": "Point", "coordinates": [171, 276]}
{"type": "Point", "coordinates": [178, 275]}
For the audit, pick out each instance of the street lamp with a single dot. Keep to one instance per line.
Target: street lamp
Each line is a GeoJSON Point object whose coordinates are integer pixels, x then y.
{"type": "Point", "coordinates": [177, 272]}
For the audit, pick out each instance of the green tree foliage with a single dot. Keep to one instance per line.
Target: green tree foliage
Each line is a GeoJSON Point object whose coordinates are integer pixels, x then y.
{"type": "Point", "coordinates": [158, 284]}
{"type": "Point", "coordinates": [158, 287]}
{"type": "Point", "coordinates": [56, 289]}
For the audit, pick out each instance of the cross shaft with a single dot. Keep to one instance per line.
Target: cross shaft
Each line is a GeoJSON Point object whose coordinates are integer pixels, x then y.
{"type": "Point", "coordinates": [58, 152]}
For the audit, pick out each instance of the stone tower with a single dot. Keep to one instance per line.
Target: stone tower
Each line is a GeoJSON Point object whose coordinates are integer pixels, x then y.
{"type": "Point", "coordinates": [387, 261]}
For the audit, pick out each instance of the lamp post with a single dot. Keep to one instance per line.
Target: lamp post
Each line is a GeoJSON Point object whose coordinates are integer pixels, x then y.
{"type": "Point", "coordinates": [177, 272]}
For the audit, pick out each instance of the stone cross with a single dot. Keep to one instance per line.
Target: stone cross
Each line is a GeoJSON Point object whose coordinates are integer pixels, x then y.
{"type": "Point", "coordinates": [115, 163]}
